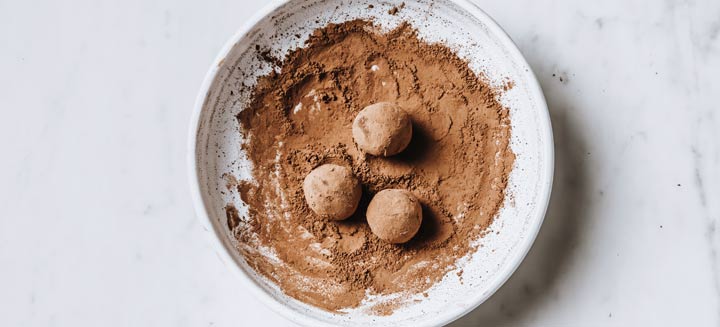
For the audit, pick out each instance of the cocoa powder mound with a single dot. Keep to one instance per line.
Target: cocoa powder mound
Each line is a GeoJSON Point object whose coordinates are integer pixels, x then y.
{"type": "Point", "coordinates": [300, 117]}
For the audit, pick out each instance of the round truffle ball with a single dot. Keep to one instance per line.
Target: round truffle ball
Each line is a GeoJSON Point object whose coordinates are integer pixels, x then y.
{"type": "Point", "coordinates": [382, 129]}
{"type": "Point", "coordinates": [394, 215]}
{"type": "Point", "coordinates": [332, 191]}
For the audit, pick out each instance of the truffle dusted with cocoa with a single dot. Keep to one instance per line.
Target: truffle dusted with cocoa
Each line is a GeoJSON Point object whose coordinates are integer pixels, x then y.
{"type": "Point", "coordinates": [332, 192]}
{"type": "Point", "coordinates": [382, 129]}
{"type": "Point", "coordinates": [394, 215]}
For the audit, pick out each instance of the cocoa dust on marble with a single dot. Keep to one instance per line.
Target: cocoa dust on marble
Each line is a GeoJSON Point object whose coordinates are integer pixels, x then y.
{"type": "Point", "coordinates": [300, 117]}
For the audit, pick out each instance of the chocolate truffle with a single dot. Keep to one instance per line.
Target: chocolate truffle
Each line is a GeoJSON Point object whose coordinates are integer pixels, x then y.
{"type": "Point", "coordinates": [382, 129]}
{"type": "Point", "coordinates": [332, 191]}
{"type": "Point", "coordinates": [394, 215]}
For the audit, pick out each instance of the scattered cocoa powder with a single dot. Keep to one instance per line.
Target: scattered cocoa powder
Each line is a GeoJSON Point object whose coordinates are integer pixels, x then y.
{"type": "Point", "coordinates": [394, 10]}
{"type": "Point", "coordinates": [300, 117]}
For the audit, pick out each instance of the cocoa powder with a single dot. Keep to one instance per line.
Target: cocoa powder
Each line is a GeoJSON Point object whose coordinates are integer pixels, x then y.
{"type": "Point", "coordinates": [300, 117]}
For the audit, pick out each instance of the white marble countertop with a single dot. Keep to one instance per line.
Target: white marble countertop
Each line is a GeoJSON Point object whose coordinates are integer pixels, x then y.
{"type": "Point", "coordinates": [97, 227]}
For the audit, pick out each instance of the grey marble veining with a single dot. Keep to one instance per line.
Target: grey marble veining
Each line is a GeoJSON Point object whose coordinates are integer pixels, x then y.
{"type": "Point", "coordinates": [96, 223]}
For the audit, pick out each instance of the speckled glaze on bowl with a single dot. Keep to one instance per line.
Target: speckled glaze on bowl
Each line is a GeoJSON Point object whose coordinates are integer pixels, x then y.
{"type": "Point", "coordinates": [214, 147]}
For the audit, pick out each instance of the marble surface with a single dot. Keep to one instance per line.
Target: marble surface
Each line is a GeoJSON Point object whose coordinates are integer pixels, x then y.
{"type": "Point", "coordinates": [97, 227]}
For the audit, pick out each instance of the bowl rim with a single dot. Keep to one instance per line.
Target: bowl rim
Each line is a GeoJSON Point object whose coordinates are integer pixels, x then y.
{"type": "Point", "coordinates": [221, 247]}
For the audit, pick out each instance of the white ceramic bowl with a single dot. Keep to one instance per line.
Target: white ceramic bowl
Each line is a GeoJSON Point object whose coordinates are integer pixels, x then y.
{"type": "Point", "coordinates": [214, 146]}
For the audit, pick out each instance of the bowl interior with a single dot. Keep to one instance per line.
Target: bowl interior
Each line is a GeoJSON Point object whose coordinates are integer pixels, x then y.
{"type": "Point", "coordinates": [475, 37]}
